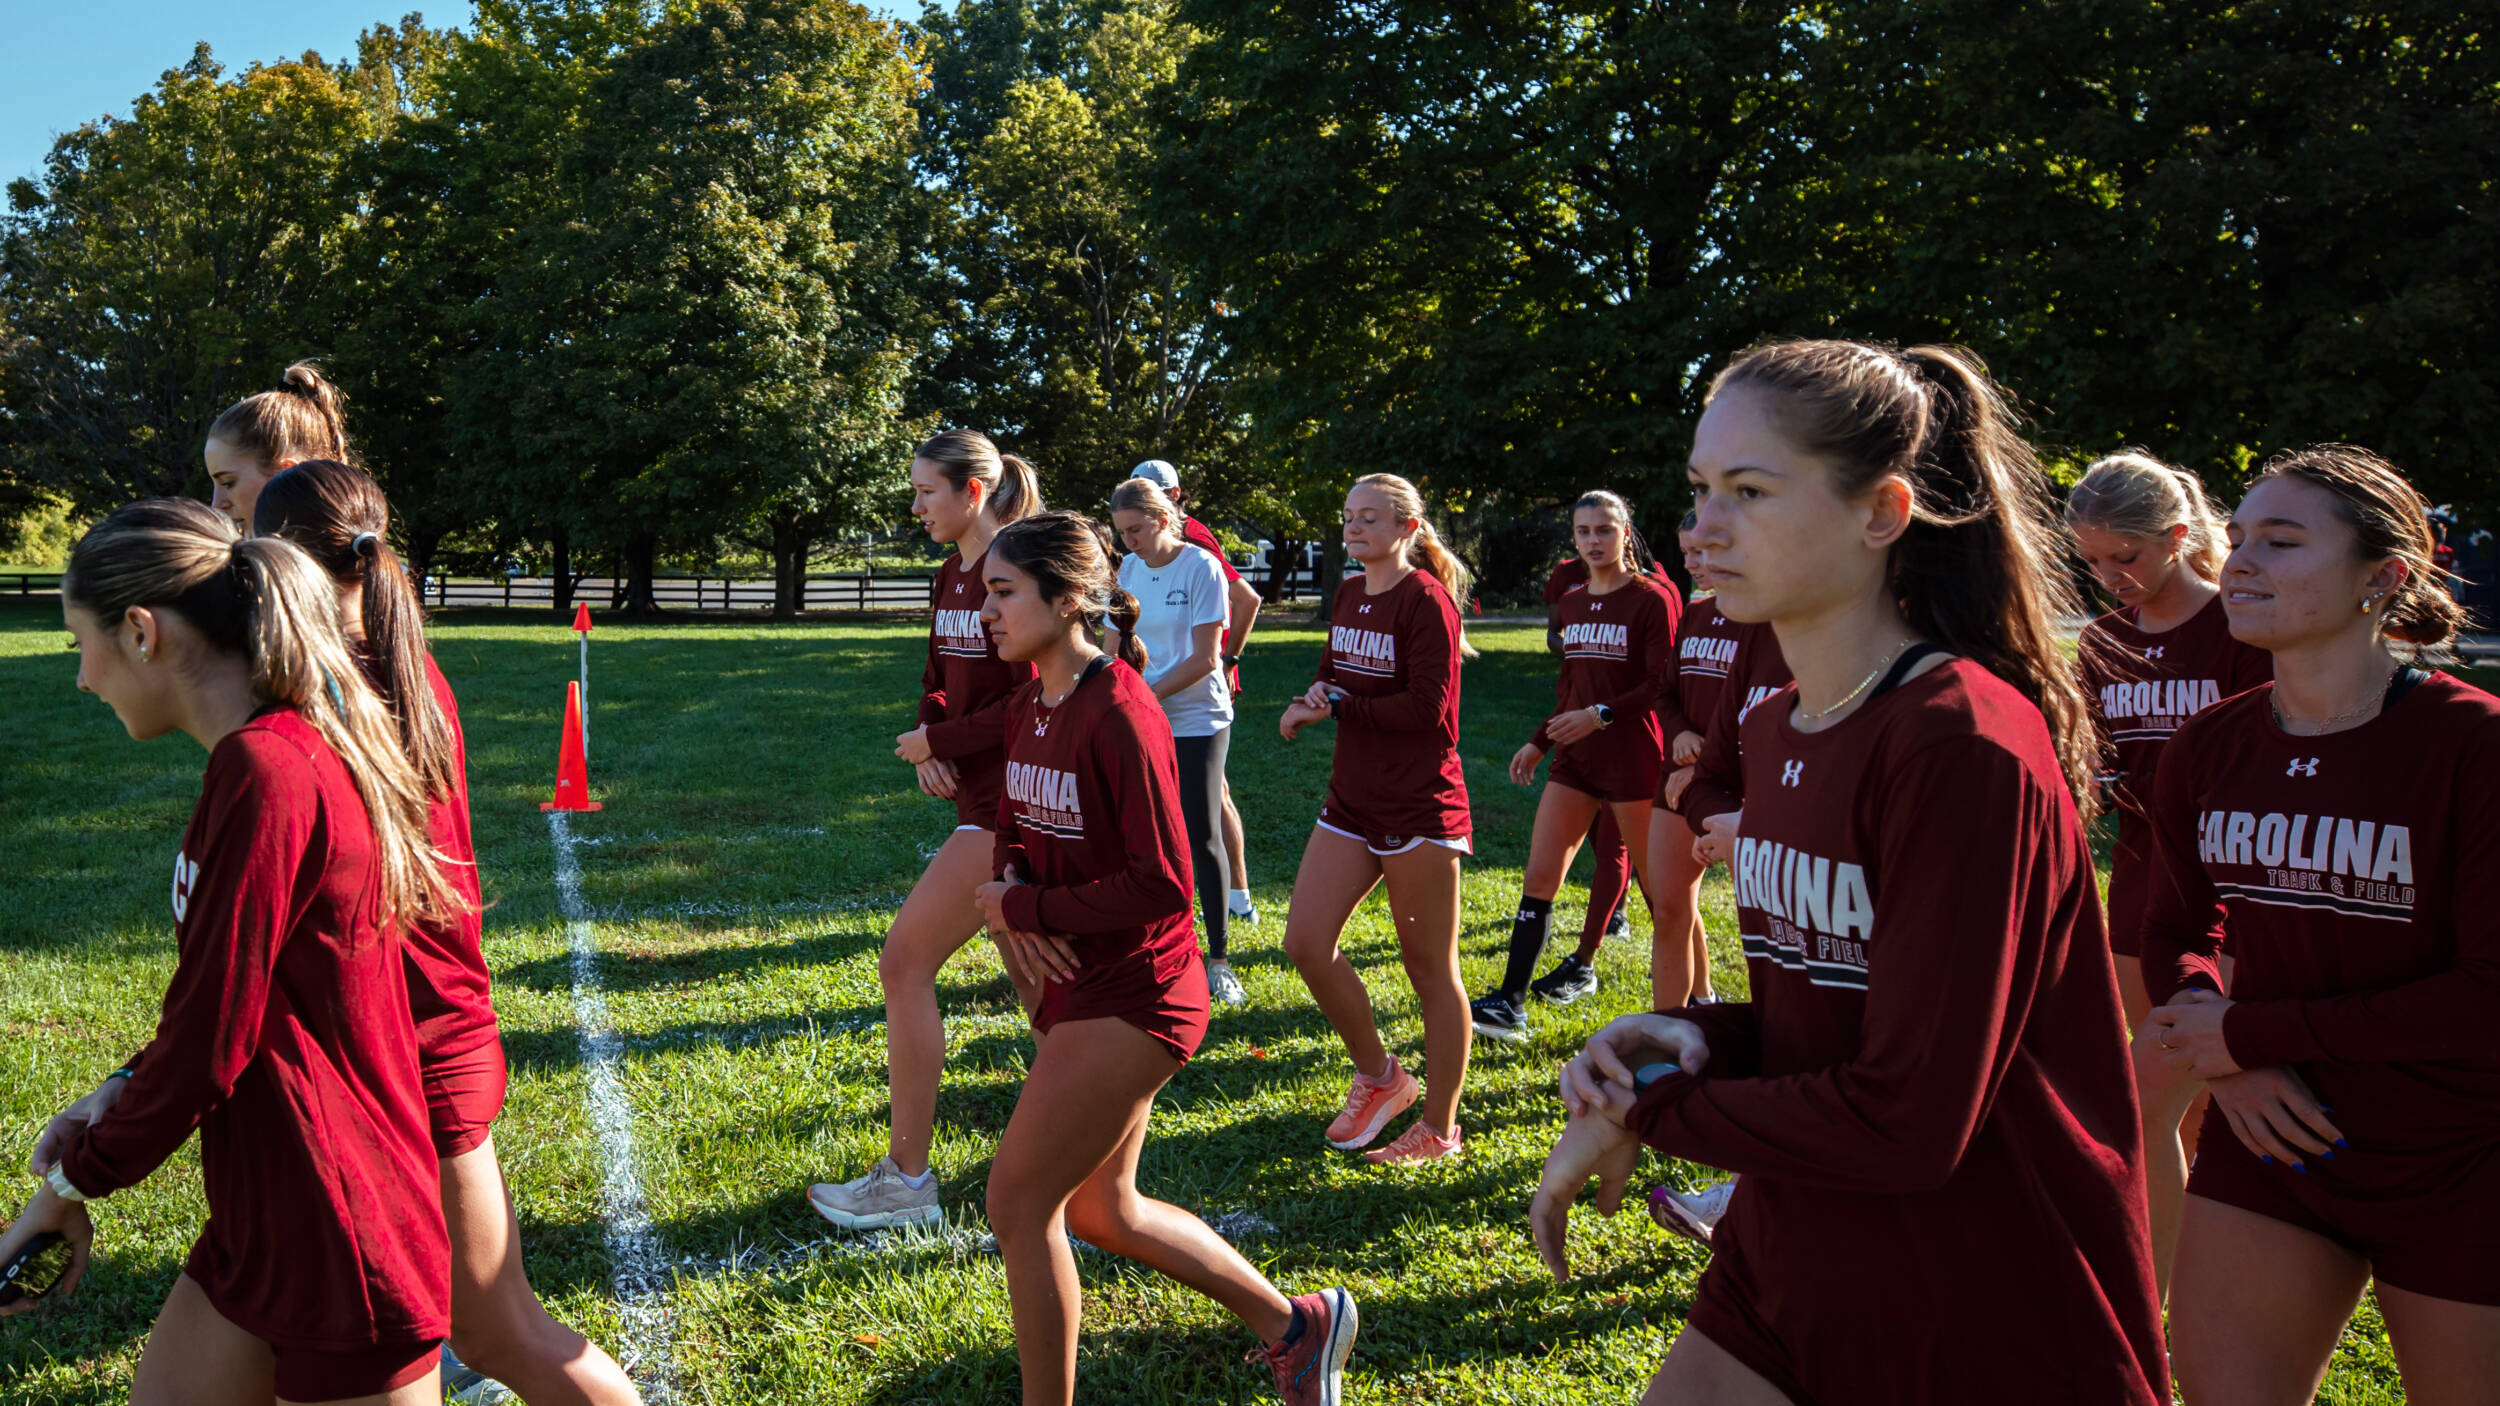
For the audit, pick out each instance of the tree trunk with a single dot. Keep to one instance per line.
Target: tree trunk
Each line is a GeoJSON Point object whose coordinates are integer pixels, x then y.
{"type": "Point", "coordinates": [642, 564]}
{"type": "Point", "coordinates": [560, 570]}
{"type": "Point", "coordinates": [1331, 572]}
{"type": "Point", "coordinates": [424, 540]}
{"type": "Point", "coordinates": [789, 563]}
{"type": "Point", "coordinates": [1284, 555]}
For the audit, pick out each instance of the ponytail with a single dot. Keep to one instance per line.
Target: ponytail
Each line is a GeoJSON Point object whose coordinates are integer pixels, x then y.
{"type": "Point", "coordinates": [1069, 554]}
{"type": "Point", "coordinates": [303, 417]}
{"type": "Point", "coordinates": [1011, 488]}
{"type": "Point", "coordinates": [2389, 518]}
{"type": "Point", "coordinates": [338, 515]}
{"type": "Point", "coordinates": [1980, 568]}
{"type": "Point", "coordinates": [262, 598]}
{"type": "Point", "coordinates": [1425, 548]}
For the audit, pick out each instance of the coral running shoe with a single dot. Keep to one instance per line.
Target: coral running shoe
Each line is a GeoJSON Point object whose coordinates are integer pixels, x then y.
{"type": "Point", "coordinates": [1417, 1144]}
{"type": "Point", "coordinates": [1691, 1214]}
{"type": "Point", "coordinates": [1310, 1370]}
{"type": "Point", "coordinates": [1370, 1106]}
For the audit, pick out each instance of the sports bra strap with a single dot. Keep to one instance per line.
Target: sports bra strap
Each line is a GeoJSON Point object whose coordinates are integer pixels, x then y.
{"type": "Point", "coordinates": [1902, 666]}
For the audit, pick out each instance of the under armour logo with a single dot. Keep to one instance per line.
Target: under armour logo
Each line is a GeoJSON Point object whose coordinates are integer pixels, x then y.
{"type": "Point", "coordinates": [1041, 727]}
{"type": "Point", "coordinates": [1362, 610]}
{"type": "Point", "coordinates": [2301, 768]}
{"type": "Point", "coordinates": [1792, 773]}
{"type": "Point", "coordinates": [2154, 652]}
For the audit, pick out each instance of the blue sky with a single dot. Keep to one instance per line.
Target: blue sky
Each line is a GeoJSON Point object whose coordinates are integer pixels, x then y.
{"type": "Point", "coordinates": [64, 62]}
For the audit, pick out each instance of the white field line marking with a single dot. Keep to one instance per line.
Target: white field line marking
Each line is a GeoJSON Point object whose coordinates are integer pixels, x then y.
{"type": "Point", "coordinates": [642, 1272]}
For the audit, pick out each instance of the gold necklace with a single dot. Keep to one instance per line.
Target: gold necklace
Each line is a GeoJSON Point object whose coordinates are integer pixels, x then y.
{"type": "Point", "coordinates": [1812, 715]}
{"type": "Point", "coordinates": [2274, 700]}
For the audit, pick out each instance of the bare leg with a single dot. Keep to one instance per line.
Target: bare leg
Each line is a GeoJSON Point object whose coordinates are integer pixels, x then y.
{"type": "Point", "coordinates": [1699, 1372]}
{"type": "Point", "coordinates": [1679, 955]}
{"type": "Point", "coordinates": [1075, 1133]}
{"type": "Point", "coordinates": [2449, 1351]}
{"type": "Point", "coordinates": [1336, 875]}
{"type": "Point", "coordinates": [1563, 814]}
{"type": "Point", "coordinates": [1236, 850]}
{"type": "Point", "coordinates": [196, 1356]}
{"type": "Point", "coordinates": [498, 1326]}
{"type": "Point", "coordinates": [1423, 898]}
{"type": "Point", "coordinates": [2259, 1307]}
{"type": "Point", "coordinates": [2164, 1094]}
{"type": "Point", "coordinates": [935, 922]}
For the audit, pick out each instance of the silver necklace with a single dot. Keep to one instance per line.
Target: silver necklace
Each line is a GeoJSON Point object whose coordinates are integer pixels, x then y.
{"type": "Point", "coordinates": [2377, 699]}
{"type": "Point", "coordinates": [1813, 715]}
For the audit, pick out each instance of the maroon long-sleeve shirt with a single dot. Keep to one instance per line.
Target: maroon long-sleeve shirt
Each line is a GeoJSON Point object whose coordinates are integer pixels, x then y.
{"type": "Point", "coordinates": [964, 688]}
{"type": "Point", "coordinates": [2140, 688]}
{"type": "Point", "coordinates": [1756, 671]}
{"type": "Point", "coordinates": [1689, 684]}
{"type": "Point", "coordinates": [1928, 1095]}
{"type": "Point", "coordinates": [1397, 770]}
{"type": "Point", "coordinates": [1614, 648]}
{"type": "Point", "coordinates": [2346, 871]}
{"type": "Point", "coordinates": [1091, 822]}
{"type": "Point", "coordinates": [286, 1041]}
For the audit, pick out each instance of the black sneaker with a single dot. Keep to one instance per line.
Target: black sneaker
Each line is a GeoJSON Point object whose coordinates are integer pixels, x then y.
{"type": "Point", "coordinates": [1570, 980]}
{"type": "Point", "coordinates": [1500, 1017]}
{"type": "Point", "coordinates": [1618, 927]}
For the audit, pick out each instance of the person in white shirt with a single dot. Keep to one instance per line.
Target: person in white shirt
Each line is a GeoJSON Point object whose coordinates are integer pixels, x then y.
{"type": "Point", "coordinates": [1181, 610]}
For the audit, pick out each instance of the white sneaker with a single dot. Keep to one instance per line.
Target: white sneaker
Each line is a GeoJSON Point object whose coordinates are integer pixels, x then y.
{"type": "Point", "coordinates": [1223, 985]}
{"type": "Point", "coordinates": [878, 1201]}
{"type": "Point", "coordinates": [1691, 1214]}
{"type": "Point", "coordinates": [1241, 909]}
{"type": "Point", "coordinates": [463, 1386]}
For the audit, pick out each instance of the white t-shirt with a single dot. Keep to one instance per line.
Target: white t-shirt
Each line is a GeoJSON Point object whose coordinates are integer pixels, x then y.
{"type": "Point", "coordinates": [1172, 601]}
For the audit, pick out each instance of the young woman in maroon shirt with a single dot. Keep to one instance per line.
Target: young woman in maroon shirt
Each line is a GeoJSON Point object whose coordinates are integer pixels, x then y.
{"type": "Point", "coordinates": [340, 518]}
{"type": "Point", "coordinates": [1396, 813]}
{"type": "Point", "coordinates": [963, 490]}
{"type": "Point", "coordinates": [2335, 829]}
{"type": "Point", "coordinates": [1941, 1198]}
{"type": "Point", "coordinates": [1617, 630]}
{"type": "Point", "coordinates": [2155, 544]}
{"type": "Point", "coordinates": [323, 1271]}
{"type": "Point", "coordinates": [1090, 895]}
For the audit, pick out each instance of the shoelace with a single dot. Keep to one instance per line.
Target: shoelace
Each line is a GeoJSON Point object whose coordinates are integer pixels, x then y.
{"type": "Point", "coordinates": [1354, 1096]}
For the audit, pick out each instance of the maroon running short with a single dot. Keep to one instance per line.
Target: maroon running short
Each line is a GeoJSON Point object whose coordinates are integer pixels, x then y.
{"type": "Point", "coordinates": [306, 1374]}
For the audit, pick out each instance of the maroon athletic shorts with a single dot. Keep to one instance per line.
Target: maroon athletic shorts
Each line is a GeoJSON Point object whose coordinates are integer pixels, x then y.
{"type": "Point", "coordinates": [1614, 778]}
{"type": "Point", "coordinates": [463, 1097]}
{"type": "Point", "coordinates": [308, 1375]}
{"type": "Point", "coordinates": [2438, 1243]}
{"type": "Point", "coordinates": [1174, 1012]}
{"type": "Point", "coordinates": [980, 783]}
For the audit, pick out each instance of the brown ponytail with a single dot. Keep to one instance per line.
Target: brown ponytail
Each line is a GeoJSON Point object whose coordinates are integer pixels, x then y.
{"type": "Point", "coordinates": [1069, 554]}
{"type": "Point", "coordinates": [1980, 568]}
{"type": "Point", "coordinates": [262, 598]}
{"type": "Point", "coordinates": [2389, 519]}
{"type": "Point", "coordinates": [1426, 547]}
{"type": "Point", "coordinates": [1011, 487]}
{"type": "Point", "coordinates": [341, 519]}
{"type": "Point", "coordinates": [304, 417]}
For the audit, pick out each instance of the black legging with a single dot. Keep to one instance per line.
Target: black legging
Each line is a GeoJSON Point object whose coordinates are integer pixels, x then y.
{"type": "Point", "coordinates": [1202, 805]}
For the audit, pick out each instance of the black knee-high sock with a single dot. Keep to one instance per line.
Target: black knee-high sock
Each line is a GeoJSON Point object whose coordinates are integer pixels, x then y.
{"type": "Point", "coordinates": [1527, 943]}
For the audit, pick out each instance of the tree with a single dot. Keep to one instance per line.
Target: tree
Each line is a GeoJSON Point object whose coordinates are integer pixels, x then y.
{"type": "Point", "coordinates": [168, 263]}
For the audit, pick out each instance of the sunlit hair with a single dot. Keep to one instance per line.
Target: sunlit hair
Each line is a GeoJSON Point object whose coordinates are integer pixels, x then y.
{"type": "Point", "coordinates": [1425, 547]}
{"type": "Point", "coordinates": [340, 518]}
{"type": "Point", "coordinates": [1069, 555]}
{"type": "Point", "coordinates": [2136, 495]}
{"type": "Point", "coordinates": [1981, 567]}
{"type": "Point", "coordinates": [303, 417]}
{"type": "Point", "coordinates": [263, 599]}
{"type": "Point", "coordinates": [1011, 488]}
{"type": "Point", "coordinates": [1144, 495]}
{"type": "Point", "coordinates": [2388, 519]}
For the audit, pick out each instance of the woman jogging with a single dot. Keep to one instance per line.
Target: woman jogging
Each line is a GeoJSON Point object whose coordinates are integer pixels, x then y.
{"type": "Point", "coordinates": [2334, 830]}
{"type": "Point", "coordinates": [259, 436]}
{"type": "Point", "coordinates": [339, 517]}
{"type": "Point", "coordinates": [1091, 898]}
{"type": "Point", "coordinates": [1396, 813]}
{"type": "Point", "coordinates": [963, 491]}
{"type": "Point", "coordinates": [322, 1273]}
{"type": "Point", "coordinates": [1941, 1200]}
{"type": "Point", "coordinates": [1181, 610]}
{"type": "Point", "coordinates": [1618, 631]}
{"type": "Point", "coordinates": [2156, 545]}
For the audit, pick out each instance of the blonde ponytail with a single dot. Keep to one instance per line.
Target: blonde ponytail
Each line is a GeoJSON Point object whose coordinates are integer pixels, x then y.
{"type": "Point", "coordinates": [264, 599]}
{"type": "Point", "coordinates": [2136, 495]}
{"type": "Point", "coordinates": [1425, 548]}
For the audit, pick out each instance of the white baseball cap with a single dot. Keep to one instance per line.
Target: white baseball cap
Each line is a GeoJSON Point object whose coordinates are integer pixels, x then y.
{"type": "Point", "coordinates": [1159, 473]}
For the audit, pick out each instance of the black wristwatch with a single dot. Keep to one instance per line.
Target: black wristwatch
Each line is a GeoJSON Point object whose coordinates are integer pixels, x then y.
{"type": "Point", "coordinates": [1231, 661]}
{"type": "Point", "coordinates": [1605, 715]}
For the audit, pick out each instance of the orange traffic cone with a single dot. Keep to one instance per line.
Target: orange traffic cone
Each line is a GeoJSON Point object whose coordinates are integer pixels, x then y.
{"type": "Point", "coordinates": [572, 769]}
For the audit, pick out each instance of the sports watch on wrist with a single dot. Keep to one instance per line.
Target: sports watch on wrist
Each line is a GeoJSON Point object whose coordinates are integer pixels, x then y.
{"type": "Point", "coordinates": [1605, 715]}
{"type": "Point", "coordinates": [1649, 1074]}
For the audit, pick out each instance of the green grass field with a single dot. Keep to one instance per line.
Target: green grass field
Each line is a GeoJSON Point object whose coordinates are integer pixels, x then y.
{"type": "Point", "coordinates": [758, 834]}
